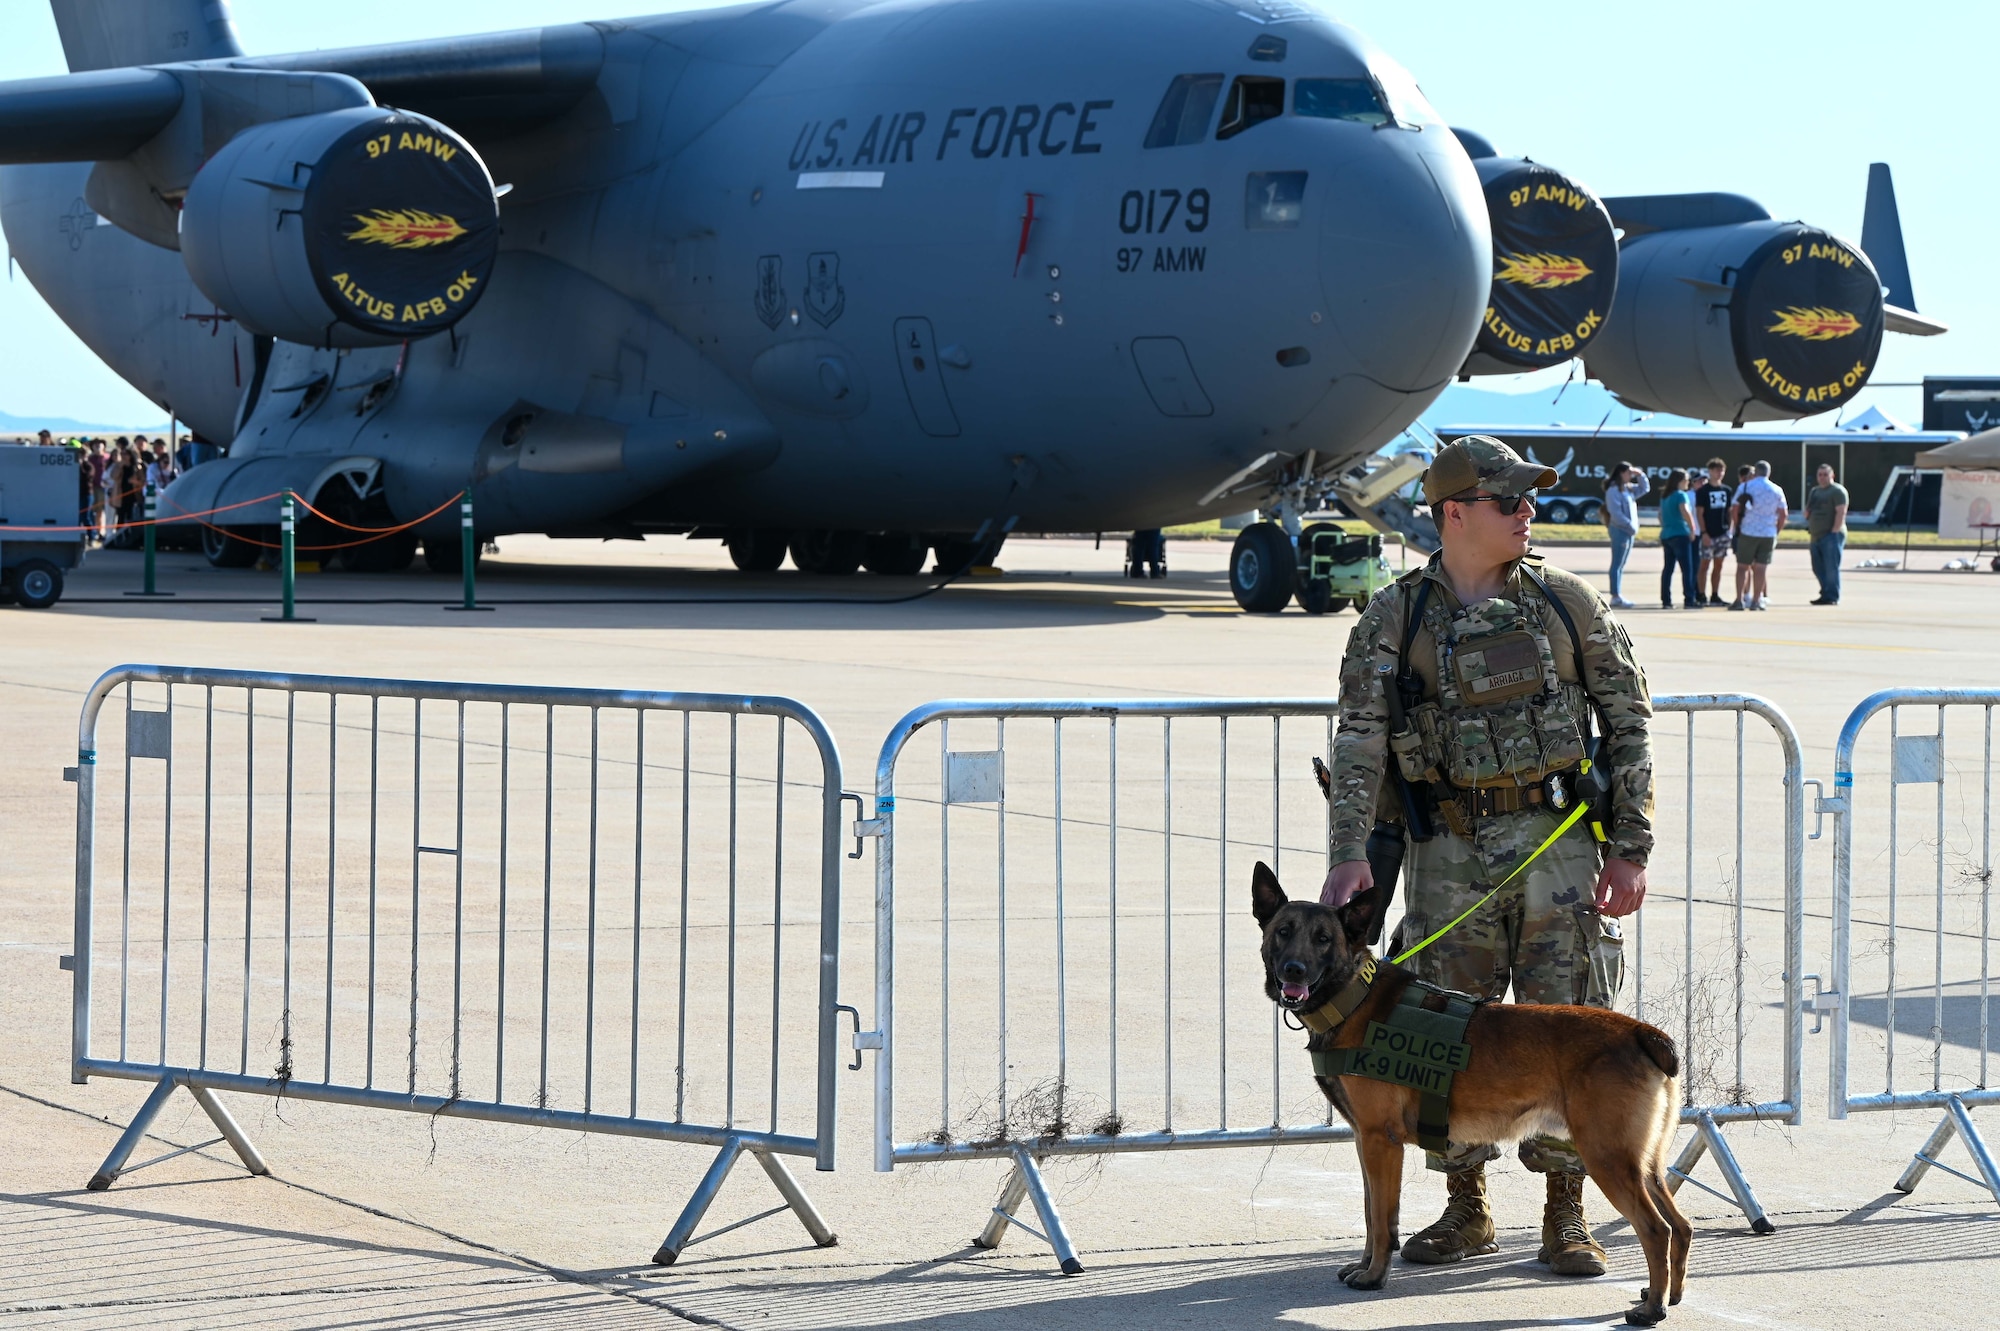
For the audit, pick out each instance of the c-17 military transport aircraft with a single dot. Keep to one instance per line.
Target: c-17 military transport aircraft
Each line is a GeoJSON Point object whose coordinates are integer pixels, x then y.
{"type": "Point", "coordinates": [858, 278]}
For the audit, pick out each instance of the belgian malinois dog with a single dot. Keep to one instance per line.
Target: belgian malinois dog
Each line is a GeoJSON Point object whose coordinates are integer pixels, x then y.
{"type": "Point", "coordinates": [1602, 1079]}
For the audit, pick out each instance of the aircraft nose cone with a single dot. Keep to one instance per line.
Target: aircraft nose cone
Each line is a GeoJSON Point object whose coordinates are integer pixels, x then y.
{"type": "Point", "coordinates": [1406, 259]}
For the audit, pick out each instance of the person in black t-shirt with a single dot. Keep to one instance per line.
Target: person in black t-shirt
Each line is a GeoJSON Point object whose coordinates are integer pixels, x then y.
{"type": "Point", "coordinates": [1711, 506]}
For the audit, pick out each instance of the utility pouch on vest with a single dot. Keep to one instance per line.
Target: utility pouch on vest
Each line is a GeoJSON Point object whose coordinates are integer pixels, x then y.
{"type": "Point", "coordinates": [1500, 670]}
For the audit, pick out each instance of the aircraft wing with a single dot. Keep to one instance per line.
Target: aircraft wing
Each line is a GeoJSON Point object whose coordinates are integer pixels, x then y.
{"type": "Point", "coordinates": [97, 116]}
{"type": "Point", "coordinates": [497, 83]}
{"type": "Point", "coordinates": [492, 83]}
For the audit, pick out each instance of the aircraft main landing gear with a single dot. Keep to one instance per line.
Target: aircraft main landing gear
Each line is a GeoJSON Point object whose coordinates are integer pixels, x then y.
{"type": "Point", "coordinates": [1263, 568]}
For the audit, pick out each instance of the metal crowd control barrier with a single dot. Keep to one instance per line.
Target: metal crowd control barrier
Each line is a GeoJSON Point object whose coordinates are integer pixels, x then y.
{"type": "Point", "coordinates": [1940, 995]}
{"type": "Point", "coordinates": [574, 908]}
{"type": "Point", "coordinates": [1066, 963]}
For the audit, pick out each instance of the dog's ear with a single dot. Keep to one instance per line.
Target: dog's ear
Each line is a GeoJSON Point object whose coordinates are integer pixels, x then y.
{"type": "Point", "coordinates": [1267, 898]}
{"type": "Point", "coordinates": [1361, 917]}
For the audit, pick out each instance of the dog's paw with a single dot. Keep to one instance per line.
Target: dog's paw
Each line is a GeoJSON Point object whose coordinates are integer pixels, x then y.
{"type": "Point", "coordinates": [1644, 1313]}
{"type": "Point", "coordinates": [1358, 1276]}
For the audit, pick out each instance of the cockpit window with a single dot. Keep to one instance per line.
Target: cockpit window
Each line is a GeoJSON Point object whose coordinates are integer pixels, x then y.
{"type": "Point", "coordinates": [1412, 110]}
{"type": "Point", "coordinates": [1253, 99]}
{"type": "Point", "coordinates": [1340, 99]}
{"type": "Point", "coordinates": [1184, 111]}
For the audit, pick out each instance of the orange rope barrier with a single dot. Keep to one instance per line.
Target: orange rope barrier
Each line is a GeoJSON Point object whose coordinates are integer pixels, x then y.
{"type": "Point", "coordinates": [154, 522]}
{"type": "Point", "coordinates": [379, 531]}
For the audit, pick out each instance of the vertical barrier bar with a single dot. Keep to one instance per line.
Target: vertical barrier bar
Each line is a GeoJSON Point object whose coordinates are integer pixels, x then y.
{"type": "Point", "coordinates": [207, 860]}
{"type": "Point", "coordinates": [1167, 912]}
{"type": "Point", "coordinates": [1113, 909]}
{"type": "Point", "coordinates": [681, 1003]}
{"type": "Point", "coordinates": [166, 871]}
{"type": "Point", "coordinates": [944, 932]}
{"type": "Point", "coordinates": [1062, 959]}
{"type": "Point", "coordinates": [374, 868]}
{"type": "Point", "coordinates": [1000, 743]}
{"type": "Point", "coordinates": [332, 869]}
{"type": "Point", "coordinates": [500, 982]}
{"type": "Point", "coordinates": [639, 908]}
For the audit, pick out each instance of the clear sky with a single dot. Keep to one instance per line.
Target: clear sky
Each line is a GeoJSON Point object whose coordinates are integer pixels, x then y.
{"type": "Point", "coordinates": [1787, 103]}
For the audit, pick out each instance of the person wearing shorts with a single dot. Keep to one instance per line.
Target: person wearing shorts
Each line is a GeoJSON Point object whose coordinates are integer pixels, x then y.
{"type": "Point", "coordinates": [1760, 512]}
{"type": "Point", "coordinates": [1711, 506]}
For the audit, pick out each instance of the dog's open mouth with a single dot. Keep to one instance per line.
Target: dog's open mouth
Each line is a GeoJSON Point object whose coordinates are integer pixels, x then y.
{"type": "Point", "coordinates": [1292, 994]}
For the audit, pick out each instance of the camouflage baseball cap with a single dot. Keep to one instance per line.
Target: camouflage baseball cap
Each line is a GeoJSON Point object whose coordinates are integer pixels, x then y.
{"type": "Point", "coordinates": [1481, 462]}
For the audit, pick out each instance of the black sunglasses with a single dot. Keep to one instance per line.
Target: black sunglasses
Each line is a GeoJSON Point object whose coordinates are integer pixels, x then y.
{"type": "Point", "coordinates": [1508, 505]}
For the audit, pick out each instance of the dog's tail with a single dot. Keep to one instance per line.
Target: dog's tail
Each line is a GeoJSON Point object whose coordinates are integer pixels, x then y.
{"type": "Point", "coordinates": [1659, 1047]}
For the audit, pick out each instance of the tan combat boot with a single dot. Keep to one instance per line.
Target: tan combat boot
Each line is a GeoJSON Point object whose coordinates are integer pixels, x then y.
{"type": "Point", "coordinates": [1567, 1247]}
{"type": "Point", "coordinates": [1464, 1230]}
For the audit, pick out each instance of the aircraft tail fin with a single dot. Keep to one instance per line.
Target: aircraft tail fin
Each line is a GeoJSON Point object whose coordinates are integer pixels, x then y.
{"type": "Point", "coordinates": [111, 34]}
{"type": "Point", "coordinates": [1882, 237]}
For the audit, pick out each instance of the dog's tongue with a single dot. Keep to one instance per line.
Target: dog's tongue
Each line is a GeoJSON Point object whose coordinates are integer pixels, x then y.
{"type": "Point", "coordinates": [1294, 993]}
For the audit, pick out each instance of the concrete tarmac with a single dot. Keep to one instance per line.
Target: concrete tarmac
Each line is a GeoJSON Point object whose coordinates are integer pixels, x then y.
{"type": "Point", "coordinates": [397, 1220]}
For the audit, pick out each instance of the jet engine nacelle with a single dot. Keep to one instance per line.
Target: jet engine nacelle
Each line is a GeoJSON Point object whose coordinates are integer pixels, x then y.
{"type": "Point", "coordinates": [1755, 321]}
{"type": "Point", "coordinates": [353, 228]}
{"type": "Point", "coordinates": [1555, 267]}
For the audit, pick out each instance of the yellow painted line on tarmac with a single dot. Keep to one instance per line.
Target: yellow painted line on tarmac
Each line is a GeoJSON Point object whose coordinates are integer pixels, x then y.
{"type": "Point", "coordinates": [1788, 642]}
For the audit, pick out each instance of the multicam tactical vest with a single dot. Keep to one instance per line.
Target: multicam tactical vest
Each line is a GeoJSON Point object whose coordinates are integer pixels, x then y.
{"type": "Point", "coordinates": [1502, 716]}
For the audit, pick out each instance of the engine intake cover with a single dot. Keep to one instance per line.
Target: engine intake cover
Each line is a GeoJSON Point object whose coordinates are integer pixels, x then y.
{"type": "Point", "coordinates": [359, 227]}
{"type": "Point", "coordinates": [1555, 268]}
{"type": "Point", "coordinates": [1755, 321]}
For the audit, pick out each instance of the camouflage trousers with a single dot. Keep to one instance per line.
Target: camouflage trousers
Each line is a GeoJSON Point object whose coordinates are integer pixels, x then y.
{"type": "Point", "coordinates": [1541, 934]}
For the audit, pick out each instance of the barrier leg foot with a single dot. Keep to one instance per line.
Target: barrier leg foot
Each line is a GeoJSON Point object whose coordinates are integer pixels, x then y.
{"type": "Point", "coordinates": [795, 1197]}
{"type": "Point", "coordinates": [682, 1234]}
{"type": "Point", "coordinates": [225, 1123]}
{"type": "Point", "coordinates": [114, 1164]}
{"type": "Point", "coordinates": [1957, 1122]}
{"type": "Point", "coordinates": [1920, 1164]}
{"type": "Point", "coordinates": [1012, 1193]}
{"type": "Point", "coordinates": [1053, 1231]}
{"type": "Point", "coordinates": [1977, 1145]}
{"type": "Point", "coordinates": [1725, 1160]}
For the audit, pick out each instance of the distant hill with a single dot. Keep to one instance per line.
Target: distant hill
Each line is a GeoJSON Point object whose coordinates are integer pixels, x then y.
{"type": "Point", "coordinates": [63, 425]}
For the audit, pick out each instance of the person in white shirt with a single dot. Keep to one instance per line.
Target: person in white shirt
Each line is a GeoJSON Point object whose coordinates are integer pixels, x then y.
{"type": "Point", "coordinates": [1757, 516]}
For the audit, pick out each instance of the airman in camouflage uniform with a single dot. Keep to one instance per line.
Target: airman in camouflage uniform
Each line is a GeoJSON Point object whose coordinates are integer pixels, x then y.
{"type": "Point", "coordinates": [1497, 772]}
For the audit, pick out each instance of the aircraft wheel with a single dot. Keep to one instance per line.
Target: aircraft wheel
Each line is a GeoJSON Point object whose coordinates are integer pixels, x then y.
{"type": "Point", "coordinates": [832, 553]}
{"type": "Point", "coordinates": [1262, 568]}
{"type": "Point", "coordinates": [225, 548]}
{"type": "Point", "coordinates": [447, 556]}
{"type": "Point", "coordinates": [895, 554]}
{"type": "Point", "coordinates": [956, 554]}
{"type": "Point", "coordinates": [756, 549]}
{"type": "Point", "coordinates": [1558, 511]}
{"type": "Point", "coordinates": [36, 583]}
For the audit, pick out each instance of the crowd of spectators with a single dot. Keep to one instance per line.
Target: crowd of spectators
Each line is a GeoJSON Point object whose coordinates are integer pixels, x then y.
{"type": "Point", "coordinates": [112, 476]}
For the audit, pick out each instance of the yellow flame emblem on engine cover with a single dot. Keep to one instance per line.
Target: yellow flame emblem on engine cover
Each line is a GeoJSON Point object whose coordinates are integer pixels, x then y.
{"type": "Point", "coordinates": [1819, 324]}
{"type": "Point", "coordinates": [1544, 272]}
{"type": "Point", "coordinates": [406, 228]}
